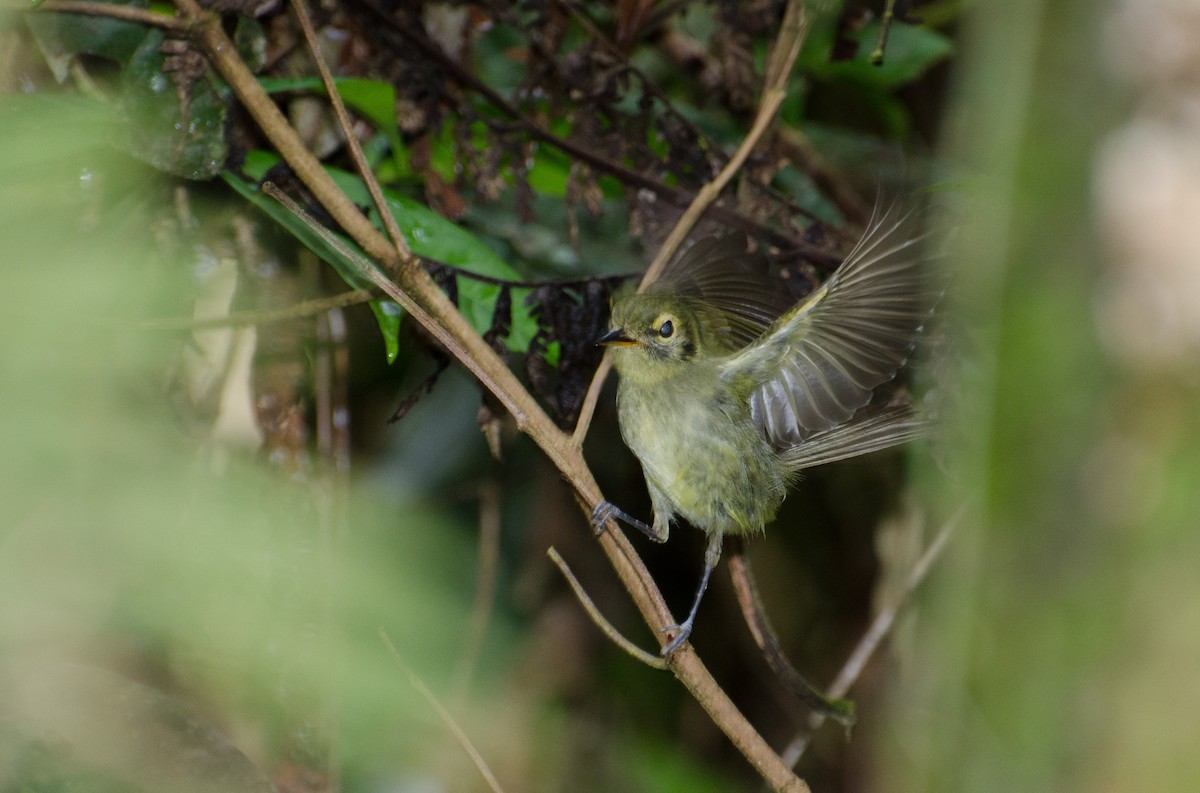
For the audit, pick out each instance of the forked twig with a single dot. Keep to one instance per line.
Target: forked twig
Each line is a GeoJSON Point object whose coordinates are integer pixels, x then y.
{"type": "Point", "coordinates": [444, 715]}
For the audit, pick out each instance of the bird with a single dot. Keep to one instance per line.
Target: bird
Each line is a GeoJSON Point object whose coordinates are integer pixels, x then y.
{"type": "Point", "coordinates": [726, 392]}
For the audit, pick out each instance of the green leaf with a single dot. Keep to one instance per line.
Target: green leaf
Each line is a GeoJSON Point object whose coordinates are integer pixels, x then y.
{"type": "Point", "coordinates": [63, 36]}
{"type": "Point", "coordinates": [549, 173]}
{"type": "Point", "coordinates": [388, 314]}
{"type": "Point", "coordinates": [177, 128]}
{"type": "Point", "coordinates": [428, 234]}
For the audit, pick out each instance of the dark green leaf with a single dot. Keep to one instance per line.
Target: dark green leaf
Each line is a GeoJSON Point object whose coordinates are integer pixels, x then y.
{"type": "Point", "coordinates": [178, 125]}
{"type": "Point", "coordinates": [388, 314]}
{"type": "Point", "coordinates": [63, 36]}
{"type": "Point", "coordinates": [179, 128]}
{"type": "Point", "coordinates": [428, 234]}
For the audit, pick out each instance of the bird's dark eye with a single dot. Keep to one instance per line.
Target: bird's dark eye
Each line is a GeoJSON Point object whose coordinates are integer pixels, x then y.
{"type": "Point", "coordinates": [666, 329]}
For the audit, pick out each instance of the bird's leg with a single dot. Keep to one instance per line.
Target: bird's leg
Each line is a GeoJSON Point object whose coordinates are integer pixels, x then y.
{"type": "Point", "coordinates": [712, 554]}
{"type": "Point", "coordinates": [606, 509]}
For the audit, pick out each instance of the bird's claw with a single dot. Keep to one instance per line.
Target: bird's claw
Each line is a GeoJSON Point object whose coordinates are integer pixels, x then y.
{"type": "Point", "coordinates": [607, 510]}
{"type": "Point", "coordinates": [600, 515]}
{"type": "Point", "coordinates": [682, 632]}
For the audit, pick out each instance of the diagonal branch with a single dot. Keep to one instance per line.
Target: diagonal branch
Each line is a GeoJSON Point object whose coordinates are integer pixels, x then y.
{"type": "Point", "coordinates": [411, 287]}
{"type": "Point", "coordinates": [343, 117]}
{"type": "Point", "coordinates": [767, 640]}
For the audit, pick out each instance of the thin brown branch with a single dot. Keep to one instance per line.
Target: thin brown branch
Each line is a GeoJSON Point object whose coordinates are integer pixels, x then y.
{"type": "Point", "coordinates": [127, 13]}
{"type": "Point", "coordinates": [792, 31]}
{"type": "Point", "coordinates": [876, 632]}
{"type": "Point", "coordinates": [587, 408]}
{"type": "Point", "coordinates": [347, 126]}
{"type": "Point", "coordinates": [606, 627]}
{"type": "Point", "coordinates": [767, 640]}
{"type": "Point", "coordinates": [709, 193]}
{"type": "Point", "coordinates": [307, 308]}
{"type": "Point", "coordinates": [417, 293]}
{"type": "Point", "coordinates": [457, 731]}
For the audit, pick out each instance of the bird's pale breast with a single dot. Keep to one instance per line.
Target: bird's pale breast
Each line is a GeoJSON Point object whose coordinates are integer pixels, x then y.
{"type": "Point", "coordinates": [700, 449]}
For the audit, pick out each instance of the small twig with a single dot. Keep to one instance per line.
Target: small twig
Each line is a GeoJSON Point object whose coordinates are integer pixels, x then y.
{"type": "Point", "coordinates": [444, 714]}
{"type": "Point", "coordinates": [885, 25]}
{"type": "Point", "coordinates": [485, 587]}
{"type": "Point", "coordinates": [875, 634]}
{"type": "Point", "coordinates": [710, 191]}
{"type": "Point", "coordinates": [307, 308]}
{"type": "Point", "coordinates": [767, 640]}
{"type": "Point", "coordinates": [142, 16]}
{"type": "Point", "coordinates": [649, 659]}
{"type": "Point", "coordinates": [587, 408]}
{"type": "Point", "coordinates": [779, 66]}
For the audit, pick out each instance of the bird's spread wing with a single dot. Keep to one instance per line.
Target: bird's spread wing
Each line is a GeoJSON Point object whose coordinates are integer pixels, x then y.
{"type": "Point", "coordinates": [721, 273]}
{"type": "Point", "coordinates": [818, 363]}
{"type": "Point", "coordinates": [882, 429]}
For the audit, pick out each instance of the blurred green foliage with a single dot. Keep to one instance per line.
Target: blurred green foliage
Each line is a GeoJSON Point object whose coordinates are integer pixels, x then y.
{"type": "Point", "coordinates": [1053, 650]}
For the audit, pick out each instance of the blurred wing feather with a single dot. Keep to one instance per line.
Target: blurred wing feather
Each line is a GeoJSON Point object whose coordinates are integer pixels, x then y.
{"type": "Point", "coordinates": [818, 363]}
{"type": "Point", "coordinates": [881, 430]}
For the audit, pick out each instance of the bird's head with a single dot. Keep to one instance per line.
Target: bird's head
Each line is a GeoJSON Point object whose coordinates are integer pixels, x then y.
{"type": "Point", "coordinates": [651, 335]}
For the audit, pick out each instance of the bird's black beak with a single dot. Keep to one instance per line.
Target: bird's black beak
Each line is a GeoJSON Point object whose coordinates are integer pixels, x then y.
{"type": "Point", "coordinates": [615, 338]}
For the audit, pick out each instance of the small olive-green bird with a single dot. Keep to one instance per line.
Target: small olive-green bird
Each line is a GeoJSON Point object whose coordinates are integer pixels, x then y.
{"type": "Point", "coordinates": [725, 395]}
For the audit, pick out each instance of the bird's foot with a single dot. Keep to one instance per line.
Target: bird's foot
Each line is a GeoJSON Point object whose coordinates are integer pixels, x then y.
{"type": "Point", "coordinates": [681, 633]}
{"type": "Point", "coordinates": [600, 515]}
{"type": "Point", "coordinates": [606, 509]}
